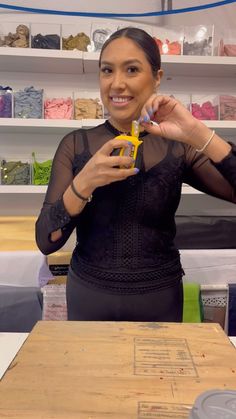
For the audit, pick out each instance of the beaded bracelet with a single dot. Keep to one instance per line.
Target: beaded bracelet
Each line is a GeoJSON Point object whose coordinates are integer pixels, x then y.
{"type": "Point", "coordinates": [200, 150]}
{"type": "Point", "coordinates": [89, 199]}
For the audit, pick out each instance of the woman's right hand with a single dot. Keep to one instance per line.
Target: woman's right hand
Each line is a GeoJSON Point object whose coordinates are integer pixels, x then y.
{"type": "Point", "coordinates": [103, 169]}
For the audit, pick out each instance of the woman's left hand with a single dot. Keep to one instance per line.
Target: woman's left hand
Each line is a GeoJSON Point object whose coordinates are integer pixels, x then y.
{"type": "Point", "coordinates": [174, 120]}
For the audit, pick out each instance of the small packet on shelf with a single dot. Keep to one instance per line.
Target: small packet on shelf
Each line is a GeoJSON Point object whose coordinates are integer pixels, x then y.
{"type": "Point", "coordinates": [54, 302]}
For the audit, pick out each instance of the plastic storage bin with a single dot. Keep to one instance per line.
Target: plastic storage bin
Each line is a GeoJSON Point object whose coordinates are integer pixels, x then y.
{"type": "Point", "coordinates": [45, 36]}
{"type": "Point", "coordinates": [58, 107]}
{"type": "Point", "coordinates": [227, 107]}
{"type": "Point", "coordinates": [87, 105]}
{"type": "Point", "coordinates": [198, 40]}
{"type": "Point", "coordinates": [100, 32]}
{"type": "Point", "coordinates": [205, 107]}
{"type": "Point", "coordinates": [76, 37]}
{"type": "Point", "coordinates": [6, 102]}
{"type": "Point", "coordinates": [41, 170]}
{"type": "Point", "coordinates": [227, 44]}
{"type": "Point", "coordinates": [15, 171]}
{"type": "Point", "coordinates": [28, 103]}
{"type": "Point", "coordinates": [15, 35]}
{"type": "Point", "coordinates": [169, 40]}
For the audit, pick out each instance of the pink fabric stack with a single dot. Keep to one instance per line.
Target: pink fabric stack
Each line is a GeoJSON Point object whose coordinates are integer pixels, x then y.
{"type": "Point", "coordinates": [58, 108]}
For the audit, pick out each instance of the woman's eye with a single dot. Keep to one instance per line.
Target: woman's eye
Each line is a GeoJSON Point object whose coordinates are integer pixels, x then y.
{"type": "Point", "coordinates": [106, 70]}
{"type": "Point", "coordinates": [132, 70]}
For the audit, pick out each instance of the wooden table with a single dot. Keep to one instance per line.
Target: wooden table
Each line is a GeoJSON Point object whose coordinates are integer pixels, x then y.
{"type": "Point", "coordinates": [116, 370]}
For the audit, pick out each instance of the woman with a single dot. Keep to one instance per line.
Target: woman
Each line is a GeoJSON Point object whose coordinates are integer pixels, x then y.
{"type": "Point", "coordinates": [125, 265]}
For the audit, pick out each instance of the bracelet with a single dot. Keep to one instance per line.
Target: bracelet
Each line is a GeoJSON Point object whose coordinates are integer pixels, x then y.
{"type": "Point", "coordinates": [200, 150]}
{"type": "Point", "coordinates": [89, 199]}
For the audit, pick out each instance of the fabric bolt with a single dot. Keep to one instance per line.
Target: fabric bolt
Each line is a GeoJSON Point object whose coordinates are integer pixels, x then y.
{"type": "Point", "coordinates": [88, 108]}
{"type": "Point", "coordinates": [228, 50]}
{"type": "Point", "coordinates": [168, 48]}
{"type": "Point", "coordinates": [20, 39]}
{"type": "Point", "coordinates": [51, 41]}
{"type": "Point", "coordinates": [28, 103]}
{"type": "Point", "coordinates": [41, 171]}
{"type": "Point", "coordinates": [58, 108]}
{"type": "Point", "coordinates": [203, 47]}
{"type": "Point", "coordinates": [192, 309]}
{"type": "Point", "coordinates": [5, 102]}
{"type": "Point", "coordinates": [232, 310]}
{"type": "Point", "coordinates": [228, 108]}
{"type": "Point", "coordinates": [15, 173]}
{"type": "Point", "coordinates": [206, 111]}
{"type": "Point", "coordinates": [79, 41]}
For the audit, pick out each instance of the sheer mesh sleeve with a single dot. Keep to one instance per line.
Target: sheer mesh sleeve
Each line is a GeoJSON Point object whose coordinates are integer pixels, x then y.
{"type": "Point", "coordinates": [216, 179]}
{"type": "Point", "coordinates": [53, 215]}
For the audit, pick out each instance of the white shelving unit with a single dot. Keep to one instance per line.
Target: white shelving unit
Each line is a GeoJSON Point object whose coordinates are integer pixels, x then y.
{"type": "Point", "coordinates": [76, 64]}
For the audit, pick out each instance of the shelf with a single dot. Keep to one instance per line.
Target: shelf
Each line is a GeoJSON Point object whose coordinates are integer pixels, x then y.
{"type": "Point", "coordinates": [181, 65]}
{"type": "Point", "coordinates": [33, 189]}
{"type": "Point", "coordinates": [43, 126]}
{"type": "Point", "coordinates": [76, 62]}
{"type": "Point", "coordinates": [41, 61]}
{"type": "Point", "coordinates": [62, 126]}
{"type": "Point", "coordinates": [22, 189]}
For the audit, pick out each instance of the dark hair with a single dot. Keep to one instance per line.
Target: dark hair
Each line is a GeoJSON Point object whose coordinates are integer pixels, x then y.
{"type": "Point", "coordinates": [143, 40]}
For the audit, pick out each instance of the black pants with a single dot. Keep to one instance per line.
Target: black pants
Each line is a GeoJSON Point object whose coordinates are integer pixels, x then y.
{"type": "Point", "coordinates": [85, 303]}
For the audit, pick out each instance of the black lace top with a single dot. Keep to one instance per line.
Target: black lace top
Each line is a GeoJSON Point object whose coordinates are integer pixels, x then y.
{"type": "Point", "coordinates": [125, 235]}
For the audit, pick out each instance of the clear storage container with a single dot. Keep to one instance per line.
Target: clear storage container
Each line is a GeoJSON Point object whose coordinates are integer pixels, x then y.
{"type": "Point", "coordinates": [198, 40]}
{"type": "Point", "coordinates": [46, 35]}
{"type": "Point", "coordinates": [15, 35]}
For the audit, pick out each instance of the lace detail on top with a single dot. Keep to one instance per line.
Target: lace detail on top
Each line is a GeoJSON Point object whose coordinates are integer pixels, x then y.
{"type": "Point", "coordinates": [144, 280]}
{"type": "Point", "coordinates": [58, 215]}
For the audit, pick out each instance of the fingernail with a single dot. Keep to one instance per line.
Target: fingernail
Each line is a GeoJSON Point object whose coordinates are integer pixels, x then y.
{"type": "Point", "coordinates": [154, 123]}
{"type": "Point", "coordinates": [150, 112]}
{"type": "Point", "coordinates": [146, 118]}
{"type": "Point", "coordinates": [136, 170]}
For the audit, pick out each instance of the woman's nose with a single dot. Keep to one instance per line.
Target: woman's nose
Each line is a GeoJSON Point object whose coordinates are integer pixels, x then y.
{"type": "Point", "coordinates": [118, 81]}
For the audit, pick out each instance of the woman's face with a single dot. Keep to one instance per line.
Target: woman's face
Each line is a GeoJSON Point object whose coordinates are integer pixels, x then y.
{"type": "Point", "coordinates": [126, 81]}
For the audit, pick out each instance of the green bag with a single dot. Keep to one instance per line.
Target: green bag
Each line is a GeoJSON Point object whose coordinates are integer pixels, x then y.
{"type": "Point", "coordinates": [41, 171]}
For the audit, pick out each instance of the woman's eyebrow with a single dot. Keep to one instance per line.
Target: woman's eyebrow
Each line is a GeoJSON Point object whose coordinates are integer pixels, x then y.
{"type": "Point", "coordinates": [127, 62]}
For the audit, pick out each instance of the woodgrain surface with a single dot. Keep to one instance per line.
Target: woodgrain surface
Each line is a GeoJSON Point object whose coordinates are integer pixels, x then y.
{"type": "Point", "coordinates": [116, 370]}
{"type": "Point", "coordinates": [17, 233]}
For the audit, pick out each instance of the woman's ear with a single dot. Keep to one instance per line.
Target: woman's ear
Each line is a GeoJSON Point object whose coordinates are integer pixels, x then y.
{"type": "Point", "coordinates": [158, 79]}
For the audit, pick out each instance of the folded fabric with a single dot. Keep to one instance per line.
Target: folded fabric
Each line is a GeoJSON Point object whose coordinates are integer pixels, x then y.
{"type": "Point", "coordinates": [192, 310]}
